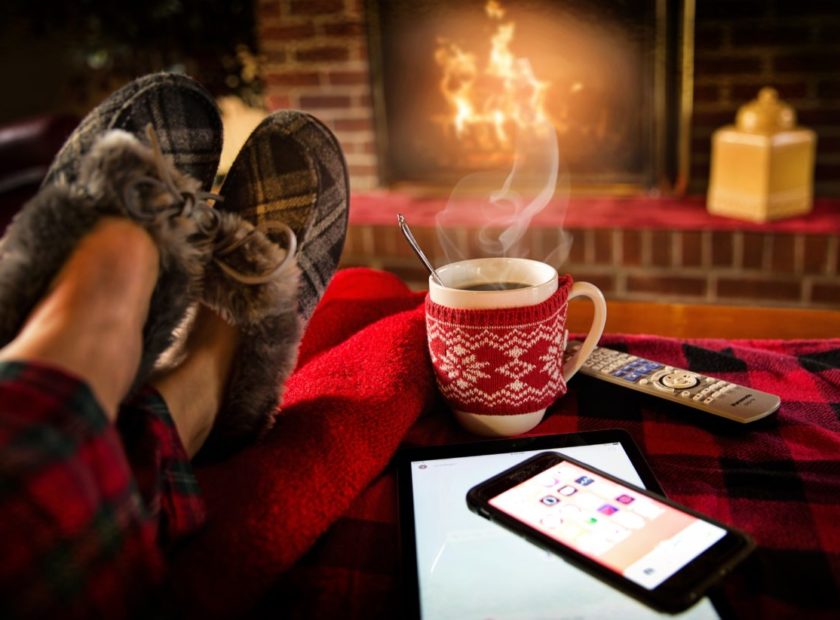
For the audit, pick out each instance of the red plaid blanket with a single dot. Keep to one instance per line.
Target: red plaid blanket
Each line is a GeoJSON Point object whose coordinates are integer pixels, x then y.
{"type": "Point", "coordinates": [304, 525]}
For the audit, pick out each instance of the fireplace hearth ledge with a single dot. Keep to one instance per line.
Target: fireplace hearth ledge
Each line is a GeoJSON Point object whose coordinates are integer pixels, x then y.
{"type": "Point", "coordinates": [645, 212]}
{"type": "Point", "coordinates": [639, 248]}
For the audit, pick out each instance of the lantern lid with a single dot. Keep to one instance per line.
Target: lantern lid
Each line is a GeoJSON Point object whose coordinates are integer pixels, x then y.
{"type": "Point", "coordinates": [766, 114]}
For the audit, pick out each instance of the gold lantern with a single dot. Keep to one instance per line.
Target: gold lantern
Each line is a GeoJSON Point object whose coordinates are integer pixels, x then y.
{"type": "Point", "coordinates": [763, 166]}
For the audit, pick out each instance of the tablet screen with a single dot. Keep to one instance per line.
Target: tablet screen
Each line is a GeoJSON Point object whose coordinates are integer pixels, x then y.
{"type": "Point", "coordinates": [468, 567]}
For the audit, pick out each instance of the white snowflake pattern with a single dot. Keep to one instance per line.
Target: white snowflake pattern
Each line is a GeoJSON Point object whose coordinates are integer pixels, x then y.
{"type": "Point", "coordinates": [553, 366]}
{"type": "Point", "coordinates": [462, 367]}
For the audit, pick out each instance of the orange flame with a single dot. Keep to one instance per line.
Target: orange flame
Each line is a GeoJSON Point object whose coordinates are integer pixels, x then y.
{"type": "Point", "coordinates": [486, 105]}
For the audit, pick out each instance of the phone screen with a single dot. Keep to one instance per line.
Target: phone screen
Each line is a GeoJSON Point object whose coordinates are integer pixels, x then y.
{"type": "Point", "coordinates": [636, 536]}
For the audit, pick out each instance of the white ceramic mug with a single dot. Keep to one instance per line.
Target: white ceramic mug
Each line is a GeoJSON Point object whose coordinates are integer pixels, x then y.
{"type": "Point", "coordinates": [499, 353]}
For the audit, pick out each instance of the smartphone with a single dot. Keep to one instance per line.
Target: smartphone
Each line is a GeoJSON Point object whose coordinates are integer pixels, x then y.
{"type": "Point", "coordinates": [663, 554]}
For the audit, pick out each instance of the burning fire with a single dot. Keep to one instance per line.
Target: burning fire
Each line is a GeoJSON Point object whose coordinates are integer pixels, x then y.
{"type": "Point", "coordinates": [487, 105]}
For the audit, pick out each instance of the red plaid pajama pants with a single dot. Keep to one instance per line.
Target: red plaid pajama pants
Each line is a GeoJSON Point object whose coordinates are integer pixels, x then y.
{"type": "Point", "coordinates": [87, 508]}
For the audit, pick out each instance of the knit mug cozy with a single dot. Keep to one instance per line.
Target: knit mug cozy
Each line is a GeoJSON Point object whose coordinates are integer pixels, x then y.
{"type": "Point", "coordinates": [499, 368]}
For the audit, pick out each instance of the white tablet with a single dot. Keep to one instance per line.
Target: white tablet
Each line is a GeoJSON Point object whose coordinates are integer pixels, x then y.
{"type": "Point", "coordinates": [459, 566]}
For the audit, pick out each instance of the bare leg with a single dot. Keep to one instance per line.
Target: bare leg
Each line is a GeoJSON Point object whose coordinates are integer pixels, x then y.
{"type": "Point", "coordinates": [193, 391]}
{"type": "Point", "coordinates": [90, 323]}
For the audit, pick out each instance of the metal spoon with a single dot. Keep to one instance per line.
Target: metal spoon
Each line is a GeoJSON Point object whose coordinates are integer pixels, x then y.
{"type": "Point", "coordinates": [414, 246]}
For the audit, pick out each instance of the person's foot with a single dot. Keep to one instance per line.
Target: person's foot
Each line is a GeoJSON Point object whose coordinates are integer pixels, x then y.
{"type": "Point", "coordinates": [242, 345]}
{"type": "Point", "coordinates": [290, 176]}
{"type": "Point", "coordinates": [119, 177]}
{"type": "Point", "coordinates": [194, 390]}
{"type": "Point", "coordinates": [90, 323]}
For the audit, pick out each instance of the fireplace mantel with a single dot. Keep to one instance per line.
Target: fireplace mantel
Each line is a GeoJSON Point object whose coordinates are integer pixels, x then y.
{"type": "Point", "coordinates": [637, 212]}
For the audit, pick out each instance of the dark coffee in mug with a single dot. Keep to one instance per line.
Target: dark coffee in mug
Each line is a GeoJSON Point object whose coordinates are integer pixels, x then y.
{"type": "Point", "coordinates": [494, 286]}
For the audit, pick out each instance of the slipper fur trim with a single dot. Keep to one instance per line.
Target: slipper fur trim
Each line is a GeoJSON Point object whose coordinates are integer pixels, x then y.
{"type": "Point", "coordinates": [270, 332]}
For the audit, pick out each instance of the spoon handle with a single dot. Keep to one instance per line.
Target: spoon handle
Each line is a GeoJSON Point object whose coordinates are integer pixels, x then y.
{"type": "Point", "coordinates": [406, 231]}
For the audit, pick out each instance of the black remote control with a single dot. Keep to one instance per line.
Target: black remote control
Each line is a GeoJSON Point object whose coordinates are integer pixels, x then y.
{"type": "Point", "coordinates": [715, 396]}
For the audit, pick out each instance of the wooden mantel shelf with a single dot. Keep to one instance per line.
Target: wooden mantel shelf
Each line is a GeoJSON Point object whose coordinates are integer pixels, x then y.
{"type": "Point", "coordinates": [633, 212]}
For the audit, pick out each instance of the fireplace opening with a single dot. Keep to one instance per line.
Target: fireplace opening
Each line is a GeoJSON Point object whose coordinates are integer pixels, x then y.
{"type": "Point", "coordinates": [457, 84]}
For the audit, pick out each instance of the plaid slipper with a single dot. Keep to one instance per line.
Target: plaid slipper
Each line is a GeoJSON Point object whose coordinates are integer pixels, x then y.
{"type": "Point", "coordinates": [252, 283]}
{"type": "Point", "coordinates": [184, 116]}
{"type": "Point", "coordinates": [118, 177]}
{"type": "Point", "coordinates": [292, 170]}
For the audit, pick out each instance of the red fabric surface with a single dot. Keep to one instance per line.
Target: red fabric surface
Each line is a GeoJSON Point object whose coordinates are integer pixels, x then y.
{"type": "Point", "coordinates": [304, 525]}
{"type": "Point", "coordinates": [688, 213]}
{"type": "Point", "coordinates": [86, 507]}
{"type": "Point", "coordinates": [361, 382]}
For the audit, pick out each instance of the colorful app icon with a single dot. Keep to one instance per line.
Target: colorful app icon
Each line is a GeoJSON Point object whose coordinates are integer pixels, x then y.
{"type": "Point", "coordinates": [584, 481]}
{"type": "Point", "coordinates": [625, 499]}
{"type": "Point", "coordinates": [567, 490]}
{"type": "Point", "coordinates": [550, 500]}
{"type": "Point", "coordinates": [608, 509]}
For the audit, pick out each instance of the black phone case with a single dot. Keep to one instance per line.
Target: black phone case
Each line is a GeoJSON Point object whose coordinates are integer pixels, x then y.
{"type": "Point", "coordinates": [676, 594]}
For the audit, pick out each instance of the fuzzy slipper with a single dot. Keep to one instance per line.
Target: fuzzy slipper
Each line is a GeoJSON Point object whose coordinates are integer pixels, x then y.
{"type": "Point", "coordinates": [292, 170]}
{"type": "Point", "coordinates": [252, 283]}
{"type": "Point", "coordinates": [118, 177]}
{"type": "Point", "coordinates": [184, 116]}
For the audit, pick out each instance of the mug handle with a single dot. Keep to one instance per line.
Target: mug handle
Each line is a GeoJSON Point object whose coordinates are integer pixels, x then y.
{"type": "Point", "coordinates": [585, 289]}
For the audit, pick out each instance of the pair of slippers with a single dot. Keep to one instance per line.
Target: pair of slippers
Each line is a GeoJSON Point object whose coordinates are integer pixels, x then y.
{"type": "Point", "coordinates": [287, 188]}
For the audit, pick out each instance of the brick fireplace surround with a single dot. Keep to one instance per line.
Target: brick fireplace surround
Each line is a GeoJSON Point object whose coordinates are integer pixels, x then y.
{"type": "Point", "coordinates": [316, 58]}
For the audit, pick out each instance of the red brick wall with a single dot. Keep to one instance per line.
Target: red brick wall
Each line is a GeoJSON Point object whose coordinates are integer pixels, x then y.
{"type": "Point", "coordinates": [793, 45]}
{"type": "Point", "coordinates": [316, 59]}
{"type": "Point", "coordinates": [732, 267]}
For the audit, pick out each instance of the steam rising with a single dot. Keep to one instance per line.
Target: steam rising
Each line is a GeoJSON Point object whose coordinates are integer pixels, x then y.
{"type": "Point", "coordinates": [488, 107]}
{"type": "Point", "coordinates": [533, 185]}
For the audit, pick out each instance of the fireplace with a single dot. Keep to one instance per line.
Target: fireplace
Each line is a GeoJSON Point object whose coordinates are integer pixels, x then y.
{"type": "Point", "coordinates": [318, 55]}
{"type": "Point", "coordinates": [462, 87]}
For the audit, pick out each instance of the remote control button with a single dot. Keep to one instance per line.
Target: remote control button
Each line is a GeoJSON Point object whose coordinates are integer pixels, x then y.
{"type": "Point", "coordinates": [709, 400]}
{"type": "Point", "coordinates": [710, 380]}
{"type": "Point", "coordinates": [680, 379]}
{"type": "Point", "coordinates": [685, 393]}
{"type": "Point", "coordinates": [644, 382]}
